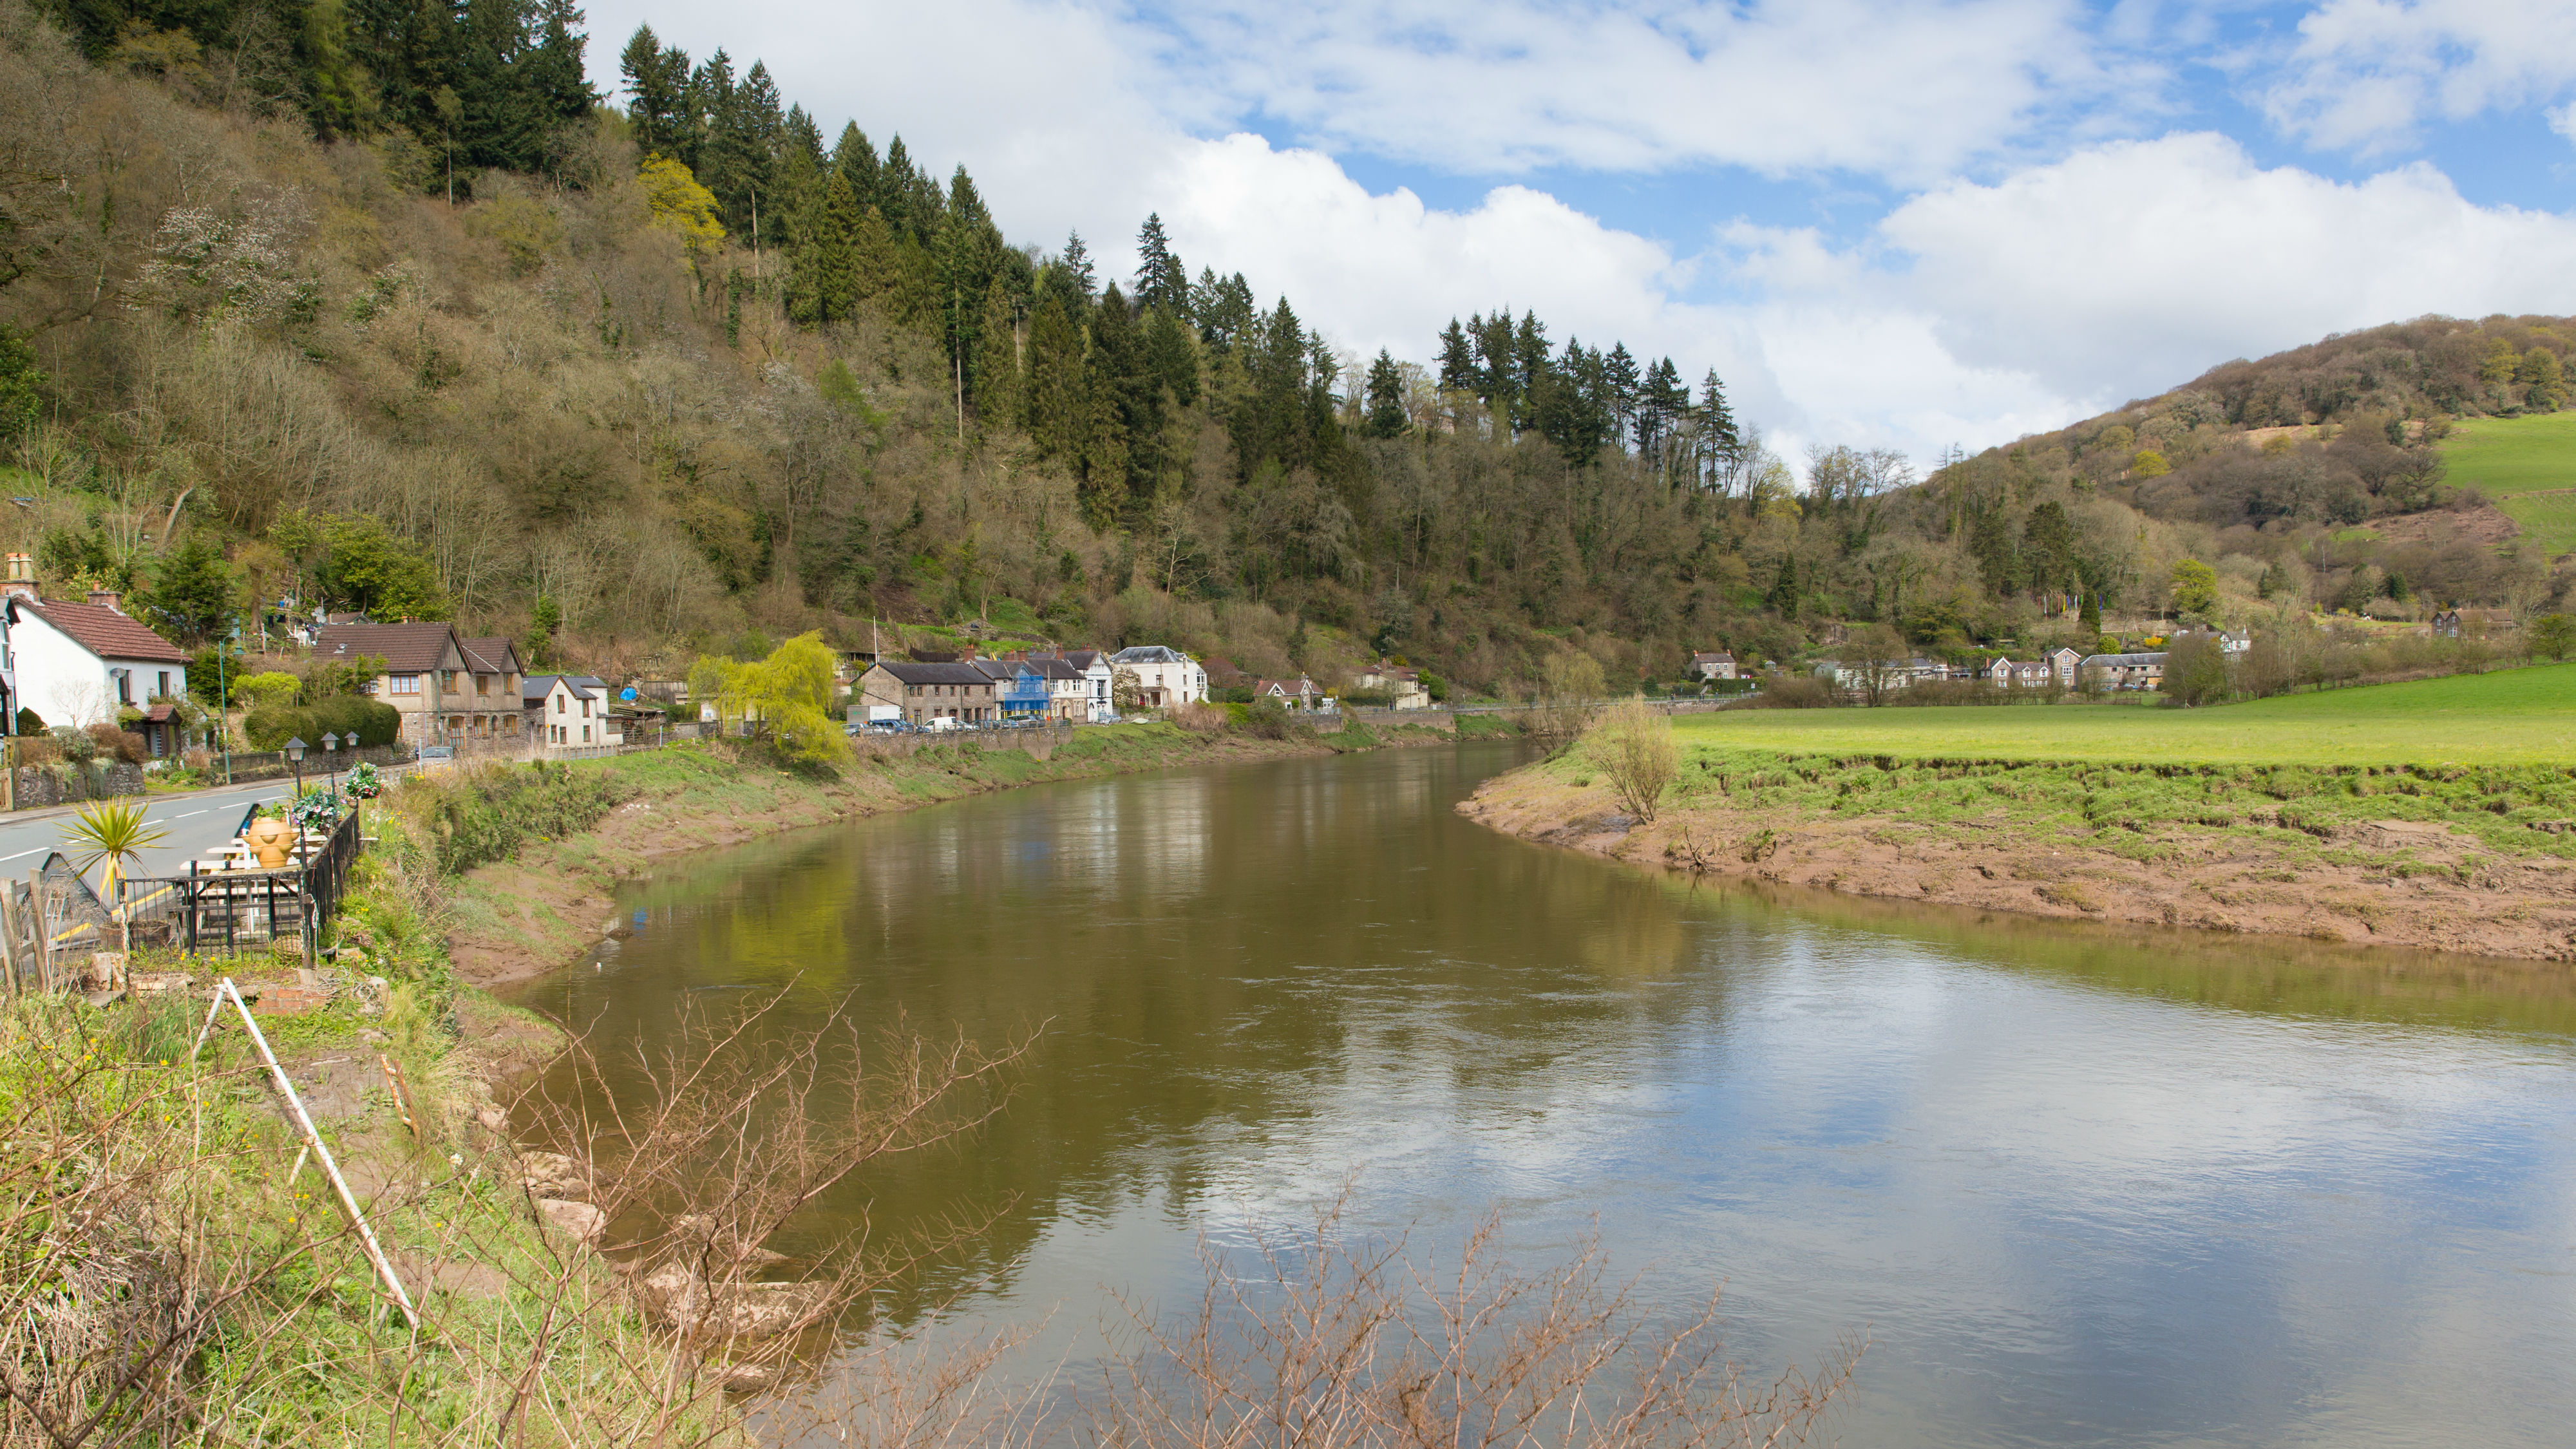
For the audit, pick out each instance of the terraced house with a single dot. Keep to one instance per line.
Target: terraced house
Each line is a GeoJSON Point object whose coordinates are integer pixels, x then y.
{"type": "Point", "coordinates": [925, 694]}
{"type": "Point", "coordinates": [450, 689]}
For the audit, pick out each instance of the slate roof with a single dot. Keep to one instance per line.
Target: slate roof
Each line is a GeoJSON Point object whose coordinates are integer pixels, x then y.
{"type": "Point", "coordinates": [535, 687]}
{"type": "Point", "coordinates": [405, 648]}
{"type": "Point", "coordinates": [105, 632]}
{"type": "Point", "coordinates": [491, 656]}
{"type": "Point", "coordinates": [937, 673]}
{"type": "Point", "coordinates": [1054, 668]}
{"type": "Point", "coordinates": [1150, 654]}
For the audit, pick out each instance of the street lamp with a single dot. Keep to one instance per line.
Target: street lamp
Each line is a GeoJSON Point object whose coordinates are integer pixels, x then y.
{"type": "Point", "coordinates": [295, 757]}
{"type": "Point", "coordinates": [331, 760]}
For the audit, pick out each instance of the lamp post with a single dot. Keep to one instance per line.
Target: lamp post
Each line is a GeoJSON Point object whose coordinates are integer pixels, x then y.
{"type": "Point", "coordinates": [331, 760]}
{"type": "Point", "coordinates": [295, 758]}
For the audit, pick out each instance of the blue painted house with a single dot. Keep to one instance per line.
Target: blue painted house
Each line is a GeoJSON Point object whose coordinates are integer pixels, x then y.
{"type": "Point", "coordinates": [1019, 688]}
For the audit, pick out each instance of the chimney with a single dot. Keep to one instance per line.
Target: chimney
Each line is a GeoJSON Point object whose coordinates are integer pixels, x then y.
{"type": "Point", "coordinates": [104, 598]}
{"type": "Point", "coordinates": [21, 583]}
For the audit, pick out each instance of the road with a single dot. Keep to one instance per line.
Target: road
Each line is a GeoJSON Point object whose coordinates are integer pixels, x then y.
{"type": "Point", "coordinates": [197, 823]}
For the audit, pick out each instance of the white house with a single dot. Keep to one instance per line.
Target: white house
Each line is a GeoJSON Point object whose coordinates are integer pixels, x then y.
{"type": "Point", "coordinates": [80, 664]}
{"type": "Point", "coordinates": [568, 713]}
{"type": "Point", "coordinates": [1164, 675]}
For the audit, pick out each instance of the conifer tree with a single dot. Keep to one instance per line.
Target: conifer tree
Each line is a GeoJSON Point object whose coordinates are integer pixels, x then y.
{"type": "Point", "coordinates": [1457, 360]}
{"type": "Point", "coordinates": [1386, 415]}
{"type": "Point", "coordinates": [856, 160]}
{"type": "Point", "coordinates": [1783, 598]}
{"type": "Point", "coordinates": [1056, 408]}
{"type": "Point", "coordinates": [1161, 280]}
{"type": "Point", "coordinates": [1171, 356]}
{"type": "Point", "coordinates": [997, 395]}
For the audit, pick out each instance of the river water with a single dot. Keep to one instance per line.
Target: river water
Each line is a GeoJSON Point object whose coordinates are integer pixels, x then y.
{"type": "Point", "coordinates": [2075, 1186]}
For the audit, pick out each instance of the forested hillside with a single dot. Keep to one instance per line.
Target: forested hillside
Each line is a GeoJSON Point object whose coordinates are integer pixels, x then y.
{"type": "Point", "coordinates": [380, 307]}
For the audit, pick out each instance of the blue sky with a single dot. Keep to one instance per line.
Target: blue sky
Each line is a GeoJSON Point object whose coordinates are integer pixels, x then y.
{"type": "Point", "coordinates": [1882, 223]}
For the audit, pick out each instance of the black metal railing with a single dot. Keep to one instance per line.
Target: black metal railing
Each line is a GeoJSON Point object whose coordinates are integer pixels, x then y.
{"type": "Point", "coordinates": [225, 911]}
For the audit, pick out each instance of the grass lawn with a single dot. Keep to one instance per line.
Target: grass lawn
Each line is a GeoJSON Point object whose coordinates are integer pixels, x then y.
{"type": "Point", "coordinates": [2505, 456]}
{"type": "Point", "coordinates": [2549, 518]}
{"type": "Point", "coordinates": [2509, 717]}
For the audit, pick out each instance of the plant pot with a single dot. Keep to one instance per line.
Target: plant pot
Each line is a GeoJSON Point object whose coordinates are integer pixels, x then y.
{"type": "Point", "coordinates": [270, 839]}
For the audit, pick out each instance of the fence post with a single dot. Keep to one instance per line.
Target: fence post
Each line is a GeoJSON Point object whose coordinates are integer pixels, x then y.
{"type": "Point", "coordinates": [43, 935]}
{"type": "Point", "coordinates": [9, 935]}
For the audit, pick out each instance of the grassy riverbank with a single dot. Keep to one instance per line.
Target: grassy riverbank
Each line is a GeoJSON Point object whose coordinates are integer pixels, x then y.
{"type": "Point", "coordinates": [2431, 814]}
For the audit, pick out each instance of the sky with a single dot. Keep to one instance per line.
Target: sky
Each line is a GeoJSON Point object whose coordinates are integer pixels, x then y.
{"type": "Point", "coordinates": [1908, 225]}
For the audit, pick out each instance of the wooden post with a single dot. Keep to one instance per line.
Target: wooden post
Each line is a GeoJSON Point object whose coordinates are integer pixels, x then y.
{"type": "Point", "coordinates": [321, 1151]}
{"type": "Point", "coordinates": [9, 935]}
{"type": "Point", "coordinates": [37, 929]}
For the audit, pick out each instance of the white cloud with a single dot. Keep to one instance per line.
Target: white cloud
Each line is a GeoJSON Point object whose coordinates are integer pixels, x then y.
{"type": "Point", "coordinates": [1980, 309]}
{"type": "Point", "coordinates": [2132, 267]}
{"type": "Point", "coordinates": [1877, 86]}
{"type": "Point", "coordinates": [2368, 73]}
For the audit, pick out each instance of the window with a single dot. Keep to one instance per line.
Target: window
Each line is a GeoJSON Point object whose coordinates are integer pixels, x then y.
{"type": "Point", "coordinates": [124, 686]}
{"type": "Point", "coordinates": [482, 684]}
{"type": "Point", "coordinates": [559, 704]}
{"type": "Point", "coordinates": [164, 691]}
{"type": "Point", "coordinates": [585, 734]}
{"type": "Point", "coordinates": [405, 684]}
{"type": "Point", "coordinates": [585, 714]}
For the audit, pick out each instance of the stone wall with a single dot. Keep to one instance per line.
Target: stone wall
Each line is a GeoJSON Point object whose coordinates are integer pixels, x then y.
{"type": "Point", "coordinates": [40, 785]}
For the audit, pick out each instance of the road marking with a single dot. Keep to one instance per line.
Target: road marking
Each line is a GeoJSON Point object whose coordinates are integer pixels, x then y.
{"type": "Point", "coordinates": [22, 855]}
{"type": "Point", "coordinates": [184, 817]}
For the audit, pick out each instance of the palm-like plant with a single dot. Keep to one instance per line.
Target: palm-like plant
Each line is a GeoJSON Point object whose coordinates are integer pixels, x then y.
{"type": "Point", "coordinates": [112, 833]}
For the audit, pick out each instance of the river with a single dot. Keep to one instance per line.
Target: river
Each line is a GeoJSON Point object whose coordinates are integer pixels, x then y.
{"type": "Point", "coordinates": [2075, 1186]}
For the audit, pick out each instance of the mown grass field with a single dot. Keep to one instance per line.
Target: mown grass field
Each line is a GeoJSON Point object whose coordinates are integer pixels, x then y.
{"type": "Point", "coordinates": [2526, 465]}
{"type": "Point", "coordinates": [2509, 717]}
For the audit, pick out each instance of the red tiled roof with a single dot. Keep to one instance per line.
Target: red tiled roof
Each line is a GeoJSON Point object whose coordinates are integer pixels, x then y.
{"type": "Point", "coordinates": [105, 632]}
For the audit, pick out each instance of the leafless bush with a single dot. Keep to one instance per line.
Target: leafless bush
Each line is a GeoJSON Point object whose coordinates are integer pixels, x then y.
{"type": "Point", "coordinates": [1570, 687]}
{"type": "Point", "coordinates": [1328, 1341]}
{"type": "Point", "coordinates": [1633, 741]}
{"type": "Point", "coordinates": [1199, 719]}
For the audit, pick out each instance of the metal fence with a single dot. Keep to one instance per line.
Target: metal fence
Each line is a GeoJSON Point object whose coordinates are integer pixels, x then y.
{"type": "Point", "coordinates": [225, 911]}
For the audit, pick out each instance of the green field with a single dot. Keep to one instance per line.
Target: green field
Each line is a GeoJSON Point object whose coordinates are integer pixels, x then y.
{"type": "Point", "coordinates": [2509, 717]}
{"type": "Point", "coordinates": [2505, 456]}
{"type": "Point", "coordinates": [2527, 465]}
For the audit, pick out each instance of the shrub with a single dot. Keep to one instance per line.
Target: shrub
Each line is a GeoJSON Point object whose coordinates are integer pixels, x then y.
{"type": "Point", "coordinates": [1267, 719]}
{"type": "Point", "coordinates": [476, 816]}
{"type": "Point", "coordinates": [122, 746]}
{"type": "Point", "coordinates": [1633, 742]}
{"type": "Point", "coordinates": [75, 745]}
{"type": "Point", "coordinates": [364, 720]}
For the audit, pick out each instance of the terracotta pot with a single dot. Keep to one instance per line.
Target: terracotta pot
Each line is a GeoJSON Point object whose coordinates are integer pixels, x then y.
{"type": "Point", "coordinates": [270, 839]}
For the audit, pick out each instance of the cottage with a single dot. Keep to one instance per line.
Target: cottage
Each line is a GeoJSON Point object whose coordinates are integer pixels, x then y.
{"type": "Point", "coordinates": [2063, 662]}
{"type": "Point", "coordinates": [1298, 693]}
{"type": "Point", "coordinates": [82, 664]}
{"type": "Point", "coordinates": [2124, 671]}
{"type": "Point", "coordinates": [1094, 701]}
{"type": "Point", "coordinates": [448, 689]}
{"type": "Point", "coordinates": [928, 695]}
{"type": "Point", "coordinates": [1401, 681]}
{"type": "Point", "coordinates": [1720, 665]}
{"type": "Point", "coordinates": [569, 712]}
{"type": "Point", "coordinates": [2472, 623]}
{"type": "Point", "coordinates": [1164, 676]}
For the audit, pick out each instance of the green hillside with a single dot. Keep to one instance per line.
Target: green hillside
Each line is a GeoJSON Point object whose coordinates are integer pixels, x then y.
{"type": "Point", "coordinates": [2509, 717]}
{"type": "Point", "coordinates": [2528, 465]}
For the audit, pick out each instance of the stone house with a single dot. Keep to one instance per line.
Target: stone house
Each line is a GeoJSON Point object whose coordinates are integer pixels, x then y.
{"type": "Point", "coordinates": [925, 694]}
{"type": "Point", "coordinates": [449, 689]}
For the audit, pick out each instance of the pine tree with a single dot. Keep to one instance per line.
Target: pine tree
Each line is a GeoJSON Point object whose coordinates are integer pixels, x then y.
{"type": "Point", "coordinates": [856, 160]}
{"type": "Point", "coordinates": [1783, 598]}
{"type": "Point", "coordinates": [1056, 408]}
{"type": "Point", "coordinates": [834, 254]}
{"type": "Point", "coordinates": [1161, 280]}
{"type": "Point", "coordinates": [1171, 356]}
{"type": "Point", "coordinates": [1717, 420]}
{"type": "Point", "coordinates": [1386, 414]}
{"type": "Point", "coordinates": [1457, 360]}
{"type": "Point", "coordinates": [997, 394]}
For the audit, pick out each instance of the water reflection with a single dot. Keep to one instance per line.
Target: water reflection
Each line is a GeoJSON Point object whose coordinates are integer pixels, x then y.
{"type": "Point", "coordinates": [2077, 1184]}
